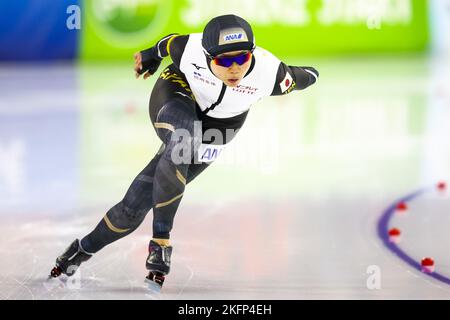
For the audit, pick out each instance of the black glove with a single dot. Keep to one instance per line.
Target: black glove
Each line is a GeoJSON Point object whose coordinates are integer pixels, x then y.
{"type": "Point", "coordinates": [312, 69]}
{"type": "Point", "coordinates": [150, 60]}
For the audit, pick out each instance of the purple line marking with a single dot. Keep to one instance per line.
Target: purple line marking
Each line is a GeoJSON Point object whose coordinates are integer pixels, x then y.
{"type": "Point", "coordinates": [383, 233]}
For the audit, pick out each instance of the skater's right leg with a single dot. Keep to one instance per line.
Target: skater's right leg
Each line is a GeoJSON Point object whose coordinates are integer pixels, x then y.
{"type": "Point", "coordinates": [126, 216]}
{"type": "Point", "coordinates": [119, 221]}
{"type": "Point", "coordinates": [129, 213]}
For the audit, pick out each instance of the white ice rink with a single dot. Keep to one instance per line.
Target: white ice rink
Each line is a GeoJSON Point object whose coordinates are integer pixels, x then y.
{"type": "Point", "coordinates": [290, 210]}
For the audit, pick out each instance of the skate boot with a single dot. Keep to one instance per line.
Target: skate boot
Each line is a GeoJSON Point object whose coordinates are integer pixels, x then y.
{"type": "Point", "coordinates": [158, 264]}
{"type": "Point", "coordinates": [70, 260]}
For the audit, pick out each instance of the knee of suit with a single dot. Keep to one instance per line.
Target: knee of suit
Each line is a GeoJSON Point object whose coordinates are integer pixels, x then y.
{"type": "Point", "coordinates": [180, 130]}
{"type": "Point", "coordinates": [139, 195]}
{"type": "Point", "coordinates": [170, 179]}
{"type": "Point", "coordinates": [124, 217]}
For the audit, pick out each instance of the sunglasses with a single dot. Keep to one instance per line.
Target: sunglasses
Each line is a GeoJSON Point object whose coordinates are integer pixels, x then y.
{"type": "Point", "coordinates": [228, 61]}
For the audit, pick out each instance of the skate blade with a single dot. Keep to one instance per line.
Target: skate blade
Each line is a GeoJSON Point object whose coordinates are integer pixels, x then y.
{"type": "Point", "coordinates": [152, 286]}
{"type": "Point", "coordinates": [54, 284]}
{"type": "Point", "coordinates": [55, 272]}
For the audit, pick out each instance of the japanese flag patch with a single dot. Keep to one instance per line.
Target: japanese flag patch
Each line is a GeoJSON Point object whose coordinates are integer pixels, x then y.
{"type": "Point", "coordinates": [286, 83]}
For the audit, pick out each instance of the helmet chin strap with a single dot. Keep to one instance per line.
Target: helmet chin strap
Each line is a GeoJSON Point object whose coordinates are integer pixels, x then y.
{"type": "Point", "coordinates": [207, 54]}
{"type": "Point", "coordinates": [209, 58]}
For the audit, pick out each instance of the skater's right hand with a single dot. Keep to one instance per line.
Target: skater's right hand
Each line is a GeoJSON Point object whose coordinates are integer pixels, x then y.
{"type": "Point", "coordinates": [138, 66]}
{"type": "Point", "coordinates": [145, 63]}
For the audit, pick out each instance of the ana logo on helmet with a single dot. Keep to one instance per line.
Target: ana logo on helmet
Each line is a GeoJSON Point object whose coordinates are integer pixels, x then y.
{"type": "Point", "coordinates": [233, 37]}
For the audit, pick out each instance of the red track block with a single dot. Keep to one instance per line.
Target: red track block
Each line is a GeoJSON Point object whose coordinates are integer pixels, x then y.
{"type": "Point", "coordinates": [402, 207]}
{"type": "Point", "coordinates": [394, 235]}
{"type": "Point", "coordinates": [427, 265]}
{"type": "Point", "coordinates": [130, 108]}
{"type": "Point", "coordinates": [442, 186]}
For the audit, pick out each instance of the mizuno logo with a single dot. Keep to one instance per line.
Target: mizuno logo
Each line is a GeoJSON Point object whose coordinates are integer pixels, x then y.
{"type": "Point", "coordinates": [198, 67]}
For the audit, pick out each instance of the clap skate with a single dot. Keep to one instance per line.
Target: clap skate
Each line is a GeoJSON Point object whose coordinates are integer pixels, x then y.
{"type": "Point", "coordinates": [70, 260]}
{"type": "Point", "coordinates": [158, 264]}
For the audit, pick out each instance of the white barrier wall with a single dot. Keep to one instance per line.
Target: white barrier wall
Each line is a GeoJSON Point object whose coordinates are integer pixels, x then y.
{"type": "Point", "coordinates": [440, 26]}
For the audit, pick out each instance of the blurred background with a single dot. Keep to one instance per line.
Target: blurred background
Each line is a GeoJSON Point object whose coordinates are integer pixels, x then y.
{"type": "Point", "coordinates": [300, 190]}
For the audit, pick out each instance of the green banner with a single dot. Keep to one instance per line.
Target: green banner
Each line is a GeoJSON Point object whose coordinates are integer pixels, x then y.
{"type": "Point", "coordinates": [114, 29]}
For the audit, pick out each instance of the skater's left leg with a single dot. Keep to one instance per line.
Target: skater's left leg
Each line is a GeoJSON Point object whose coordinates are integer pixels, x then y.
{"type": "Point", "coordinates": [195, 169]}
{"type": "Point", "coordinates": [176, 166]}
{"type": "Point", "coordinates": [160, 250]}
{"type": "Point", "coordinates": [175, 125]}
